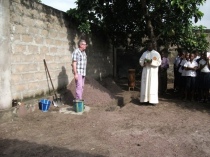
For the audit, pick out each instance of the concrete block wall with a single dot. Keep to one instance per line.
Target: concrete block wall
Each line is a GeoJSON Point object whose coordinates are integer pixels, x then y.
{"type": "Point", "coordinates": [37, 32]}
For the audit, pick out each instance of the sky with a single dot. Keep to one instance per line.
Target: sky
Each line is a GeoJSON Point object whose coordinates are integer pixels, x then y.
{"type": "Point", "coordinates": [65, 5]}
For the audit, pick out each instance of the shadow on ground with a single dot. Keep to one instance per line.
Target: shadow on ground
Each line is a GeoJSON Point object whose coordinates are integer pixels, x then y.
{"type": "Point", "coordinates": [12, 148]}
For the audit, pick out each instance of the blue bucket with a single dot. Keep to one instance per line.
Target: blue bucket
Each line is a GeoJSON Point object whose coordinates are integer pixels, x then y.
{"type": "Point", "coordinates": [78, 105]}
{"type": "Point", "coordinates": [44, 105]}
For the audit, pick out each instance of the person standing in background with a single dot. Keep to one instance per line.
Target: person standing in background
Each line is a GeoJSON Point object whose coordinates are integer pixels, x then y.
{"type": "Point", "coordinates": [163, 76]}
{"type": "Point", "coordinates": [204, 80]}
{"type": "Point", "coordinates": [190, 67]}
{"type": "Point", "coordinates": [177, 62]}
{"type": "Point", "coordinates": [182, 73]}
{"type": "Point", "coordinates": [79, 63]}
{"type": "Point", "coordinates": [198, 76]}
{"type": "Point", "coordinates": [150, 61]}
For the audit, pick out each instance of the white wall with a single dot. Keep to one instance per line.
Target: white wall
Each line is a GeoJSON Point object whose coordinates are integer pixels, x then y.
{"type": "Point", "coordinates": [5, 73]}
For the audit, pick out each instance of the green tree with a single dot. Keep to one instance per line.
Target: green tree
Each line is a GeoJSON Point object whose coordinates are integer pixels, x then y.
{"type": "Point", "coordinates": [162, 21]}
{"type": "Point", "coordinates": [194, 38]}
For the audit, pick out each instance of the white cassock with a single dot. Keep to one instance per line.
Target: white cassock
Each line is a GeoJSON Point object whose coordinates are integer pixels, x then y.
{"type": "Point", "coordinates": [149, 78]}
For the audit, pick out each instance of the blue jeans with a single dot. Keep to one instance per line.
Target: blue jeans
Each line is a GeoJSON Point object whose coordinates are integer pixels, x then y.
{"type": "Point", "coordinates": [79, 87]}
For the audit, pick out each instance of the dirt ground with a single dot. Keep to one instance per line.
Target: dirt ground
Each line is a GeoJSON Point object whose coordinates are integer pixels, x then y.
{"type": "Point", "coordinates": [172, 128]}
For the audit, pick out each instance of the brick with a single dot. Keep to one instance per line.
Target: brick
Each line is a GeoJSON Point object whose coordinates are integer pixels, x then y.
{"type": "Point", "coordinates": [19, 29]}
{"type": "Point", "coordinates": [58, 43]}
{"type": "Point", "coordinates": [44, 49]}
{"type": "Point", "coordinates": [44, 85]}
{"type": "Point", "coordinates": [62, 35]}
{"type": "Point", "coordinates": [53, 34]}
{"type": "Point", "coordinates": [45, 33]}
{"type": "Point", "coordinates": [53, 49]}
{"type": "Point", "coordinates": [40, 76]}
{"type": "Point", "coordinates": [28, 22]}
{"type": "Point", "coordinates": [16, 78]}
{"type": "Point", "coordinates": [49, 58]}
{"type": "Point", "coordinates": [38, 58]}
{"type": "Point", "coordinates": [33, 49]}
{"type": "Point", "coordinates": [33, 31]}
{"type": "Point", "coordinates": [15, 37]}
{"type": "Point", "coordinates": [39, 40]}
{"type": "Point", "coordinates": [31, 67]}
{"type": "Point", "coordinates": [19, 87]}
{"type": "Point", "coordinates": [39, 24]}
{"type": "Point", "coordinates": [28, 58]}
{"type": "Point", "coordinates": [66, 58]}
{"type": "Point", "coordinates": [23, 68]}
{"type": "Point", "coordinates": [27, 38]}
{"type": "Point", "coordinates": [19, 48]}
{"type": "Point", "coordinates": [28, 76]}
{"type": "Point", "coordinates": [14, 18]}
{"type": "Point", "coordinates": [33, 85]}
{"type": "Point", "coordinates": [17, 58]}
{"type": "Point", "coordinates": [49, 41]}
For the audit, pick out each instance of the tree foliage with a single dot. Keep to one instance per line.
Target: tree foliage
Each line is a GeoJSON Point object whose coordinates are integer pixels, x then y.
{"type": "Point", "coordinates": [194, 38]}
{"type": "Point", "coordinates": [127, 22]}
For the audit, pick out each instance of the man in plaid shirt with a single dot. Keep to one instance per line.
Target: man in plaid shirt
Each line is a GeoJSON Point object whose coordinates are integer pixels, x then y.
{"type": "Point", "coordinates": [79, 62]}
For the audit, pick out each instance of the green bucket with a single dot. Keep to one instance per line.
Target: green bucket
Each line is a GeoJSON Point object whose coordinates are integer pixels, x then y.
{"type": "Point", "coordinates": [78, 105]}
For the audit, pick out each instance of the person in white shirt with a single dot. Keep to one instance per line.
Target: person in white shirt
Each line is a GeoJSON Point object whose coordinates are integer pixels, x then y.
{"type": "Point", "coordinates": [204, 80]}
{"type": "Point", "coordinates": [190, 67]}
{"type": "Point", "coordinates": [182, 71]}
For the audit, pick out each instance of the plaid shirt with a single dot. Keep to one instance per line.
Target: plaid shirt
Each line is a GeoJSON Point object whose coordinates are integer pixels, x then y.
{"type": "Point", "coordinates": [81, 59]}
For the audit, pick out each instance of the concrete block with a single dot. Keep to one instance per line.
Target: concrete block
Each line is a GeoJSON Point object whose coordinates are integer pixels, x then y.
{"type": "Point", "coordinates": [16, 78]}
{"type": "Point", "coordinates": [27, 38]}
{"type": "Point", "coordinates": [28, 77]}
{"type": "Point", "coordinates": [19, 48]}
{"type": "Point", "coordinates": [39, 40]}
{"type": "Point", "coordinates": [49, 41]}
{"type": "Point", "coordinates": [21, 111]}
{"type": "Point", "coordinates": [33, 49]}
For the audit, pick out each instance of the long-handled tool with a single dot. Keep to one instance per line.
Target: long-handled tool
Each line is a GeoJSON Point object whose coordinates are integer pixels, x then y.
{"type": "Point", "coordinates": [56, 100]}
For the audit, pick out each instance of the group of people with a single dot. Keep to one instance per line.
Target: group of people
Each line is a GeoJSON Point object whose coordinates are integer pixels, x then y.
{"type": "Point", "coordinates": [191, 74]}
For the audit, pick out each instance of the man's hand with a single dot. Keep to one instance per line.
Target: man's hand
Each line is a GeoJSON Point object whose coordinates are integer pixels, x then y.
{"type": "Point", "coordinates": [76, 77]}
{"type": "Point", "coordinates": [147, 62]}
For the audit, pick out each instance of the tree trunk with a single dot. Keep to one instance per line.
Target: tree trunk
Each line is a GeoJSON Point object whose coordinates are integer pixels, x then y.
{"type": "Point", "coordinates": [149, 27]}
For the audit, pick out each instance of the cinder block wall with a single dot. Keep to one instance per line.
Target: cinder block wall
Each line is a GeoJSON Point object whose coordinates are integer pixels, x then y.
{"type": "Point", "coordinates": [37, 32]}
{"type": "Point", "coordinates": [40, 32]}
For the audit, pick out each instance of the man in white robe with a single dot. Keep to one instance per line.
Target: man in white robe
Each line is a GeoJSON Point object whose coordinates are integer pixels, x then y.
{"type": "Point", "coordinates": [150, 61]}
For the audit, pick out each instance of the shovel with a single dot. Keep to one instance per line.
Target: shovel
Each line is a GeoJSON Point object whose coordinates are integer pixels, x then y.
{"type": "Point", "coordinates": [56, 101]}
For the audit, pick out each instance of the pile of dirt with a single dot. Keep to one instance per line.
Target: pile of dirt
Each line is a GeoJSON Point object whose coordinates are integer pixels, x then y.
{"type": "Point", "coordinates": [97, 93]}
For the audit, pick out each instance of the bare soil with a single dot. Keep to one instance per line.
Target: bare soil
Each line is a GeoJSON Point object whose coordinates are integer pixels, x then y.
{"type": "Point", "coordinates": [111, 128]}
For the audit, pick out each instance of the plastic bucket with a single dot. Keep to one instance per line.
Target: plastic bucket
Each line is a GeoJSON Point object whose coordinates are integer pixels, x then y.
{"type": "Point", "coordinates": [78, 105]}
{"type": "Point", "coordinates": [44, 105]}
